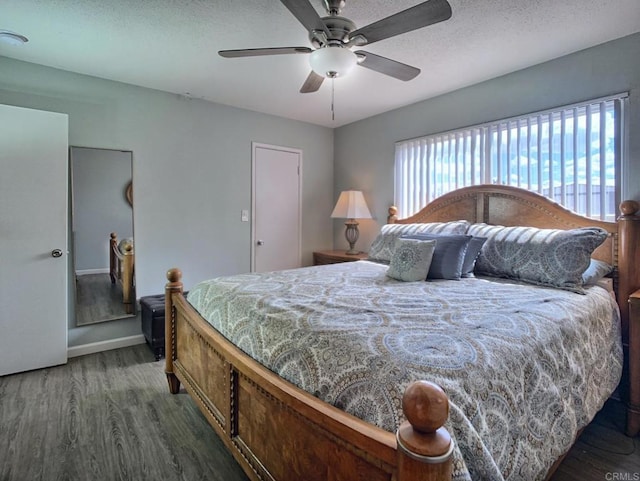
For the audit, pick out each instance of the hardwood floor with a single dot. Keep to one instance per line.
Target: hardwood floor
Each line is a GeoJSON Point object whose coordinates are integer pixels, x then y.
{"type": "Point", "coordinates": [109, 416]}
{"type": "Point", "coordinates": [98, 300]}
{"type": "Point", "coordinates": [106, 416]}
{"type": "Point", "coordinates": [603, 452]}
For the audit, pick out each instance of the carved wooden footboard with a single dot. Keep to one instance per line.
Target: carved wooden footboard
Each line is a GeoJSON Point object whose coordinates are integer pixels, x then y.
{"type": "Point", "coordinates": [121, 266]}
{"type": "Point", "coordinates": [279, 432]}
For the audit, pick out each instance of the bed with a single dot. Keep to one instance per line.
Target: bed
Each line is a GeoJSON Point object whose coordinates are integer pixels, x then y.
{"type": "Point", "coordinates": [121, 269]}
{"type": "Point", "coordinates": [276, 430]}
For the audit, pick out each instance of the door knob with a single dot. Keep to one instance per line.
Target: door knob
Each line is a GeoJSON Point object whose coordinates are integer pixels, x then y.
{"type": "Point", "coordinates": [260, 242]}
{"type": "Point", "coordinates": [56, 253]}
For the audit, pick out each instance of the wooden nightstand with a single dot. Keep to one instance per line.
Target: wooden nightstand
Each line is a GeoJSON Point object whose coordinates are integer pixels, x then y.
{"type": "Point", "coordinates": [333, 257]}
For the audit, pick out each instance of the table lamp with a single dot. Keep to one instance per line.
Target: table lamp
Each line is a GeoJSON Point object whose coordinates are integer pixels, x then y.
{"type": "Point", "coordinates": [351, 205]}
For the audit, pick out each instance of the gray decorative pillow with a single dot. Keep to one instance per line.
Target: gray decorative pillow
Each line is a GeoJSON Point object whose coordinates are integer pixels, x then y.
{"type": "Point", "coordinates": [411, 259]}
{"type": "Point", "coordinates": [470, 257]}
{"type": "Point", "coordinates": [382, 247]}
{"type": "Point", "coordinates": [448, 258]}
{"type": "Point", "coordinates": [547, 257]}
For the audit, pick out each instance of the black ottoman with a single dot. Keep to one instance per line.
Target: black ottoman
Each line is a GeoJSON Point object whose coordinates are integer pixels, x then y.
{"type": "Point", "coordinates": [153, 323]}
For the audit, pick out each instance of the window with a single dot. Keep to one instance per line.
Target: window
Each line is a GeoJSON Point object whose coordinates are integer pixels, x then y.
{"type": "Point", "coordinates": [572, 154]}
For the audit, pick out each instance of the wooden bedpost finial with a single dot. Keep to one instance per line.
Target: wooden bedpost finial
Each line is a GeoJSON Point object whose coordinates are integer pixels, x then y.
{"type": "Point", "coordinates": [393, 215]}
{"type": "Point", "coordinates": [113, 236]}
{"type": "Point", "coordinates": [174, 275]}
{"type": "Point", "coordinates": [629, 207]}
{"type": "Point", "coordinates": [424, 445]}
{"type": "Point", "coordinates": [425, 406]}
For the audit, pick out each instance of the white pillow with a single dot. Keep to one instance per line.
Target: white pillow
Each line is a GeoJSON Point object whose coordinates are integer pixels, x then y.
{"type": "Point", "coordinates": [596, 271]}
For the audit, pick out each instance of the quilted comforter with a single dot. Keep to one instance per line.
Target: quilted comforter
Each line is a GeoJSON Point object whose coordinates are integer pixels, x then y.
{"type": "Point", "coordinates": [525, 367]}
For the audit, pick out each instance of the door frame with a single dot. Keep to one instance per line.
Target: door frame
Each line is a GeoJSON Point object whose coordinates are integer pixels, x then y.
{"type": "Point", "coordinates": [254, 147]}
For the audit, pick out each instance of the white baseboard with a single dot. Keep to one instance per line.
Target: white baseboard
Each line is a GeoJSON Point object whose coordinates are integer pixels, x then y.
{"type": "Point", "coordinates": [85, 272]}
{"type": "Point", "coordinates": [93, 347]}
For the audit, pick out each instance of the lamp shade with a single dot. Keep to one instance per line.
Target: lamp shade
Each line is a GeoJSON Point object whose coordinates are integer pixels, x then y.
{"type": "Point", "coordinates": [332, 61]}
{"type": "Point", "coordinates": [351, 205]}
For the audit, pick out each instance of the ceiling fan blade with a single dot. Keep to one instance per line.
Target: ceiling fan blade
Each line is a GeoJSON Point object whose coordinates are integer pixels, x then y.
{"type": "Point", "coordinates": [387, 66]}
{"type": "Point", "coordinates": [306, 15]}
{"type": "Point", "coordinates": [423, 14]}
{"type": "Point", "coordinates": [312, 84]}
{"type": "Point", "coordinates": [256, 52]}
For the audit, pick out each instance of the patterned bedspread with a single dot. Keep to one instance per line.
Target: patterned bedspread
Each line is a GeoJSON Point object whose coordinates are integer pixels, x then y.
{"type": "Point", "coordinates": [524, 367]}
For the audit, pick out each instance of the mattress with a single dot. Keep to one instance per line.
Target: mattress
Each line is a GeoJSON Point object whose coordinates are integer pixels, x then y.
{"type": "Point", "coordinates": [525, 367]}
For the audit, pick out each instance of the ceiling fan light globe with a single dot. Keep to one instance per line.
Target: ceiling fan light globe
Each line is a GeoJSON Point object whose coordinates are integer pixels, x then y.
{"type": "Point", "coordinates": [332, 62]}
{"type": "Point", "coordinates": [12, 38]}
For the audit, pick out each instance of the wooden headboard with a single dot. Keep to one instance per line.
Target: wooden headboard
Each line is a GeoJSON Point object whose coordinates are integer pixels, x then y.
{"type": "Point", "coordinates": [511, 206]}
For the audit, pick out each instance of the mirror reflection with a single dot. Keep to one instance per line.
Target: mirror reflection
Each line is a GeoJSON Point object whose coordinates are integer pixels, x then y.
{"type": "Point", "coordinates": [102, 234]}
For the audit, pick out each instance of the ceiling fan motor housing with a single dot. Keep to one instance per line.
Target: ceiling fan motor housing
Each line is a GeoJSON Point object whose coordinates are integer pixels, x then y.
{"type": "Point", "coordinates": [339, 29]}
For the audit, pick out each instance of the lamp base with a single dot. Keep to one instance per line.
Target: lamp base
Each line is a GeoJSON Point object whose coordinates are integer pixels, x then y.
{"type": "Point", "coordinates": [351, 234]}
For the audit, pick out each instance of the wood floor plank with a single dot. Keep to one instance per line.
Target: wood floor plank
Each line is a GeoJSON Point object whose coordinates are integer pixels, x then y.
{"type": "Point", "coordinates": [109, 416]}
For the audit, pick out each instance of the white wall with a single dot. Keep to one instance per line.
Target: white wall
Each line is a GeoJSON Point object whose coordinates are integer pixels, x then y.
{"type": "Point", "coordinates": [364, 151]}
{"type": "Point", "coordinates": [191, 171]}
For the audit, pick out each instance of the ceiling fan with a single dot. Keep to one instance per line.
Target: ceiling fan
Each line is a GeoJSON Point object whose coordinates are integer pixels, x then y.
{"type": "Point", "coordinates": [334, 36]}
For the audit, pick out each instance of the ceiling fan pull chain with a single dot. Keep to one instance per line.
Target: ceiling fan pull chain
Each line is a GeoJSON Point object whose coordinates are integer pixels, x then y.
{"type": "Point", "coordinates": [333, 112]}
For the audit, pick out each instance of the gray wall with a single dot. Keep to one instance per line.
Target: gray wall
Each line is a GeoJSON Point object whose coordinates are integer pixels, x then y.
{"type": "Point", "coordinates": [191, 171]}
{"type": "Point", "coordinates": [192, 159]}
{"type": "Point", "coordinates": [99, 181]}
{"type": "Point", "coordinates": [364, 151]}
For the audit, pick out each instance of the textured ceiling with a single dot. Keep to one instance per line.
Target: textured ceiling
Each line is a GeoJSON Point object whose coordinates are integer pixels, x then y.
{"type": "Point", "coordinates": [172, 46]}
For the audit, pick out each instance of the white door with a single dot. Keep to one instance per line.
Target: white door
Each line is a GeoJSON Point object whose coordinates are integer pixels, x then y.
{"type": "Point", "coordinates": [33, 239]}
{"type": "Point", "coordinates": [276, 229]}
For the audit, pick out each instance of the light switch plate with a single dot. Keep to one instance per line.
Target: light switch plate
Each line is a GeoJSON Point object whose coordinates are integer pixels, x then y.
{"type": "Point", "coordinates": [244, 216]}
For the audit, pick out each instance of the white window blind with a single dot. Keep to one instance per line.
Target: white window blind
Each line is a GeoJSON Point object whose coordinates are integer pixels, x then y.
{"type": "Point", "coordinates": [571, 154]}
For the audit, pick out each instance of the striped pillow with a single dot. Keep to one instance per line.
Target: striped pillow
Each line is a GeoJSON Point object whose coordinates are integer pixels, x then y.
{"type": "Point", "coordinates": [384, 244]}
